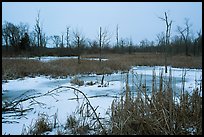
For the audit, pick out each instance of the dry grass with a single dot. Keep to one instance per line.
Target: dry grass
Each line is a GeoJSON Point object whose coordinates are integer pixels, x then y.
{"type": "Point", "coordinates": [12, 69]}
{"type": "Point", "coordinates": [41, 125]}
{"type": "Point", "coordinates": [77, 81]}
{"type": "Point", "coordinates": [15, 68]}
{"type": "Point", "coordinates": [159, 114]}
{"type": "Point", "coordinates": [154, 59]}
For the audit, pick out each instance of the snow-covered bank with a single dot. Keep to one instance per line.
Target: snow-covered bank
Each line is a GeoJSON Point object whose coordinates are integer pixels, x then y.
{"type": "Point", "coordinates": [62, 102]}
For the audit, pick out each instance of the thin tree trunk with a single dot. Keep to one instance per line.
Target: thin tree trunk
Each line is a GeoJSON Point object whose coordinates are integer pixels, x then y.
{"type": "Point", "coordinates": [100, 44]}
{"type": "Point", "coordinates": [78, 43]}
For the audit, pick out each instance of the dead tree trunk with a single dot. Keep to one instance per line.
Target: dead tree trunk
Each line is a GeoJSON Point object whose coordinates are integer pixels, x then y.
{"type": "Point", "coordinates": [39, 33]}
{"type": "Point", "coordinates": [79, 42]}
{"type": "Point", "coordinates": [185, 37]}
{"type": "Point", "coordinates": [78, 46]}
{"type": "Point", "coordinates": [67, 40]}
{"type": "Point", "coordinates": [100, 44]}
{"type": "Point", "coordinates": [117, 36]}
{"type": "Point", "coordinates": [62, 45]}
{"type": "Point", "coordinates": [168, 28]}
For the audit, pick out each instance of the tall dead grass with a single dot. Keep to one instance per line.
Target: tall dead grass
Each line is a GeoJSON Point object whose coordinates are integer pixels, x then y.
{"type": "Point", "coordinates": [40, 126]}
{"type": "Point", "coordinates": [154, 59]}
{"type": "Point", "coordinates": [15, 68]}
{"type": "Point", "coordinates": [160, 112]}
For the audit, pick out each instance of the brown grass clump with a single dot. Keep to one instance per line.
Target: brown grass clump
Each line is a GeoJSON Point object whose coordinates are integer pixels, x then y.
{"type": "Point", "coordinates": [40, 126]}
{"type": "Point", "coordinates": [77, 81]}
{"type": "Point", "coordinates": [159, 114]}
{"type": "Point", "coordinates": [76, 127]}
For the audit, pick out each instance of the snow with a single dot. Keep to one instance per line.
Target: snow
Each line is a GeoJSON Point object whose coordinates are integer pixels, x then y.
{"type": "Point", "coordinates": [62, 102]}
{"type": "Point", "coordinates": [59, 104]}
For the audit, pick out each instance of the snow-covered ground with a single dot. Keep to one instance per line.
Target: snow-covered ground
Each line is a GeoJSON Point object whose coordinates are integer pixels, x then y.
{"type": "Point", "coordinates": [62, 102]}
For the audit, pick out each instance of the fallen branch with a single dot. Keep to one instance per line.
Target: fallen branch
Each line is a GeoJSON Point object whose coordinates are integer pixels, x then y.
{"type": "Point", "coordinates": [15, 103]}
{"type": "Point", "coordinates": [97, 118]}
{"type": "Point", "coordinates": [95, 97]}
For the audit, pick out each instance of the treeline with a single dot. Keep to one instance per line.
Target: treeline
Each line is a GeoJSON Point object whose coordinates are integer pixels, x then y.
{"type": "Point", "coordinates": [17, 40]}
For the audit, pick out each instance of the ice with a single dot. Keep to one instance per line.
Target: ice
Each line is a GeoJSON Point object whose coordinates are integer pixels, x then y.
{"type": "Point", "coordinates": [100, 96]}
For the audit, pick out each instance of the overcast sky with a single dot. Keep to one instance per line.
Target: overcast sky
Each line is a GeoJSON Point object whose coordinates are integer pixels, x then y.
{"type": "Point", "coordinates": [138, 20]}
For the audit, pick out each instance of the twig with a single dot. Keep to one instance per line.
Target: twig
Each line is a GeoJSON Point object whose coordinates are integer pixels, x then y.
{"type": "Point", "coordinates": [97, 118]}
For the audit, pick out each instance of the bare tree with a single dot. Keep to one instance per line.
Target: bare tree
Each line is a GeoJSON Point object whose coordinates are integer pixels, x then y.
{"type": "Point", "coordinates": [15, 36]}
{"type": "Point", "coordinates": [33, 39]}
{"type": "Point", "coordinates": [24, 37]}
{"type": "Point", "coordinates": [67, 37]}
{"type": "Point", "coordinates": [122, 43]}
{"type": "Point", "coordinates": [94, 46]}
{"type": "Point", "coordinates": [44, 40]}
{"type": "Point", "coordinates": [185, 34]}
{"type": "Point", "coordinates": [62, 42]}
{"type": "Point", "coordinates": [100, 43]}
{"type": "Point", "coordinates": [23, 28]}
{"type": "Point", "coordinates": [104, 40]}
{"type": "Point", "coordinates": [168, 29]}
{"type": "Point", "coordinates": [161, 40]}
{"type": "Point", "coordinates": [117, 39]}
{"type": "Point", "coordinates": [105, 37]}
{"type": "Point", "coordinates": [38, 30]}
{"type": "Point", "coordinates": [5, 34]}
{"type": "Point", "coordinates": [199, 42]}
{"type": "Point", "coordinates": [130, 43]}
{"type": "Point", "coordinates": [56, 40]}
{"type": "Point", "coordinates": [79, 41]}
{"type": "Point", "coordinates": [25, 42]}
{"type": "Point", "coordinates": [11, 35]}
{"type": "Point", "coordinates": [196, 44]}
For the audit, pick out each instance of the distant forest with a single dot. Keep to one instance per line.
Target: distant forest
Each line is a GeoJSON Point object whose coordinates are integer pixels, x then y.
{"type": "Point", "coordinates": [17, 40]}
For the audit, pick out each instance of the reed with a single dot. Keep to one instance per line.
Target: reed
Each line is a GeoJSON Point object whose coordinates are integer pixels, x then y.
{"type": "Point", "coordinates": [159, 113]}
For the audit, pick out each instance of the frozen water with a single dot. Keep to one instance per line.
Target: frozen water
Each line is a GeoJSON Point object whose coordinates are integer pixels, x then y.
{"type": "Point", "coordinates": [62, 101]}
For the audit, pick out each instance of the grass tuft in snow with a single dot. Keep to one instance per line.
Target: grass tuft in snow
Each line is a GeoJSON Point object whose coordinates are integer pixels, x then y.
{"type": "Point", "coordinates": [77, 81]}
{"type": "Point", "coordinates": [41, 125]}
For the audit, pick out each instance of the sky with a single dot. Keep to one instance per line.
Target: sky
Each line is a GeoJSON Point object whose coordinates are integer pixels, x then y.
{"type": "Point", "coordinates": [136, 20]}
